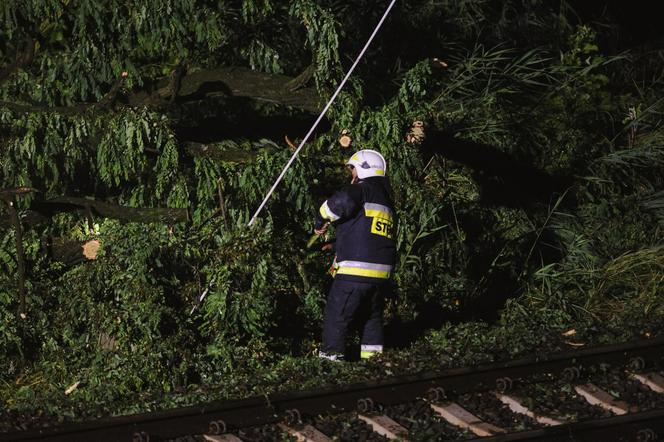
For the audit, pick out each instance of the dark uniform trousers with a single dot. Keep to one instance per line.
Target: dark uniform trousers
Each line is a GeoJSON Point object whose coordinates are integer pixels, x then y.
{"type": "Point", "coordinates": [365, 227]}
{"type": "Point", "coordinates": [353, 304]}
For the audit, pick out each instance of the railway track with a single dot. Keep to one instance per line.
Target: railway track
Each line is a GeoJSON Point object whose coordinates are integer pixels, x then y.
{"type": "Point", "coordinates": [597, 394]}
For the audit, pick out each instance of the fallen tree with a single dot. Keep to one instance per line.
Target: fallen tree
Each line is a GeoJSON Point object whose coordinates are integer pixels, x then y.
{"type": "Point", "coordinates": [108, 210]}
{"type": "Point", "coordinates": [236, 81]}
{"type": "Point", "coordinates": [70, 251]}
{"type": "Point", "coordinates": [233, 81]}
{"type": "Point", "coordinates": [42, 210]}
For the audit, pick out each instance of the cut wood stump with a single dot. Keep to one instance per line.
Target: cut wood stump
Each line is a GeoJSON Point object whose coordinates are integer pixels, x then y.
{"type": "Point", "coordinates": [71, 251]}
{"type": "Point", "coordinates": [416, 133]}
{"type": "Point", "coordinates": [90, 249]}
{"type": "Point", "coordinates": [107, 342]}
{"type": "Point", "coordinates": [345, 139]}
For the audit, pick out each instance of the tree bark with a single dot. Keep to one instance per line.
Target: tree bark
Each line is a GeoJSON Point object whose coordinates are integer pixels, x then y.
{"type": "Point", "coordinates": [504, 179]}
{"type": "Point", "coordinates": [8, 194]}
{"type": "Point", "coordinates": [235, 81]}
{"type": "Point", "coordinates": [30, 218]}
{"type": "Point", "coordinates": [232, 81]}
{"type": "Point", "coordinates": [42, 211]}
{"type": "Point", "coordinates": [108, 210]}
{"type": "Point", "coordinates": [71, 251]}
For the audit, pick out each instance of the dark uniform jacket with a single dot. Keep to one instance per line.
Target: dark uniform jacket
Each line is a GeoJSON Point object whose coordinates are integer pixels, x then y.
{"type": "Point", "coordinates": [366, 227]}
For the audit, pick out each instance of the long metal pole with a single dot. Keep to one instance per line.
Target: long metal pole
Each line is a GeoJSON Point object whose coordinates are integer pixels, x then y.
{"type": "Point", "coordinates": [322, 114]}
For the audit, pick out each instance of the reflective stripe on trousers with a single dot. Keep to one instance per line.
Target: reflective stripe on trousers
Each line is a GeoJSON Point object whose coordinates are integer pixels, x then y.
{"type": "Point", "coordinates": [368, 269]}
{"type": "Point", "coordinates": [367, 351]}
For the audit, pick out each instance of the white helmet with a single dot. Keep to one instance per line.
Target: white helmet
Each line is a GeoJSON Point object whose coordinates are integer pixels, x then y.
{"type": "Point", "coordinates": [368, 163]}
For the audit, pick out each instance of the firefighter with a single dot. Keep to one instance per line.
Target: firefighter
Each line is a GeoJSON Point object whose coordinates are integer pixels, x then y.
{"type": "Point", "coordinates": [365, 224]}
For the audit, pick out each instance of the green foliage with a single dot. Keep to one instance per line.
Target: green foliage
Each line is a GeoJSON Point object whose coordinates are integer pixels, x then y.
{"type": "Point", "coordinates": [322, 38]}
{"type": "Point", "coordinates": [210, 301]}
{"type": "Point", "coordinates": [239, 304]}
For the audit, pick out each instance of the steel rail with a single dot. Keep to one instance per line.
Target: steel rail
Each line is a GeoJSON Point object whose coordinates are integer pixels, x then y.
{"type": "Point", "coordinates": [272, 408]}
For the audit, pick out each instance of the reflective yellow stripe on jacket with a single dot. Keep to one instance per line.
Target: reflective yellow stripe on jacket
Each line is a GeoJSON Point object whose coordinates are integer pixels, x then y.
{"type": "Point", "coordinates": [326, 213]}
{"type": "Point", "coordinates": [374, 210]}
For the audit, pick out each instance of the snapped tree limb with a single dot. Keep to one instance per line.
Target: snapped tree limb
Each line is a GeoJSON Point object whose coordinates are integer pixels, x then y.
{"type": "Point", "coordinates": [231, 81]}
{"type": "Point", "coordinates": [234, 81]}
{"type": "Point", "coordinates": [9, 194]}
{"type": "Point", "coordinates": [108, 210]}
{"type": "Point", "coordinates": [76, 109]}
{"type": "Point", "coordinates": [41, 210]}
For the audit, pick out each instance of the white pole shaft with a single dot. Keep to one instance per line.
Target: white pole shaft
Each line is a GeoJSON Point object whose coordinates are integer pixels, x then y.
{"type": "Point", "coordinates": [322, 114]}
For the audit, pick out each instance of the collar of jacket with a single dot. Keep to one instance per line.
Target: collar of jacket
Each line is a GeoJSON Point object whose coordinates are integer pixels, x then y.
{"type": "Point", "coordinates": [370, 179]}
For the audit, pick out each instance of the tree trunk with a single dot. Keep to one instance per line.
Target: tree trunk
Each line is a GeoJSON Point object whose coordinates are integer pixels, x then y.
{"type": "Point", "coordinates": [71, 251]}
{"type": "Point", "coordinates": [41, 212]}
{"type": "Point", "coordinates": [234, 81]}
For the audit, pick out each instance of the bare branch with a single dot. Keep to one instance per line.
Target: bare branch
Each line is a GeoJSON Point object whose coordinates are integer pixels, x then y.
{"type": "Point", "coordinates": [9, 194]}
